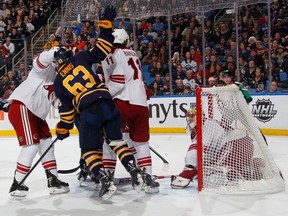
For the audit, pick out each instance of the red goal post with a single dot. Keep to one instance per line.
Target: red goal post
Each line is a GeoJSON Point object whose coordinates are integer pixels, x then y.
{"type": "Point", "coordinates": [233, 157]}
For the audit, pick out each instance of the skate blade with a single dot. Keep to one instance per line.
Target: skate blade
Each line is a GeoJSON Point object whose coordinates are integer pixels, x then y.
{"type": "Point", "coordinates": [139, 186]}
{"type": "Point", "coordinates": [151, 190]}
{"type": "Point", "coordinates": [18, 193]}
{"type": "Point", "coordinates": [112, 190]}
{"type": "Point", "coordinates": [55, 190]}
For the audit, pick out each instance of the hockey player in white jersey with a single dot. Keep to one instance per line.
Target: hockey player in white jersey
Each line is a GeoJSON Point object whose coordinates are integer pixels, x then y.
{"type": "Point", "coordinates": [30, 105]}
{"type": "Point", "coordinates": [123, 76]}
{"type": "Point", "coordinates": [190, 170]}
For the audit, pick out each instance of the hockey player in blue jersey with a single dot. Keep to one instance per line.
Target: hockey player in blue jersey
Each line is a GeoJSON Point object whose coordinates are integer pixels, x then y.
{"type": "Point", "coordinates": [82, 93]}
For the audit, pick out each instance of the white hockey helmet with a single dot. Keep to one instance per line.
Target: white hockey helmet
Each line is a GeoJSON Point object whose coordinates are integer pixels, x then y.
{"type": "Point", "coordinates": [120, 36]}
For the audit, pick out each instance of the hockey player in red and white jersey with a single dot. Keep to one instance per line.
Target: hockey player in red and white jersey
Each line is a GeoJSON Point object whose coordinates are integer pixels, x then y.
{"type": "Point", "coordinates": [30, 105]}
{"type": "Point", "coordinates": [190, 170]}
{"type": "Point", "coordinates": [123, 76]}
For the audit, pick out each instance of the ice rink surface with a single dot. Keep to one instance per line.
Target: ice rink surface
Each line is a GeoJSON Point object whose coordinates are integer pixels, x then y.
{"type": "Point", "coordinates": [84, 201]}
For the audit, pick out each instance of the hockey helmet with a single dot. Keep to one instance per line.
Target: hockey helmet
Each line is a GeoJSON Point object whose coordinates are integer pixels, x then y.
{"type": "Point", "coordinates": [63, 55]}
{"type": "Point", "coordinates": [120, 37]}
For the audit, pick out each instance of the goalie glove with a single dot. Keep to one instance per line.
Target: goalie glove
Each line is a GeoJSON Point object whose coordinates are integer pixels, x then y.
{"type": "Point", "coordinates": [4, 105]}
{"type": "Point", "coordinates": [107, 17]}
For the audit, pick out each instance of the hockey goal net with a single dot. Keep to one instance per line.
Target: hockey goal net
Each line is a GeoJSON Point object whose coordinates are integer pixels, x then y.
{"type": "Point", "coordinates": [233, 157]}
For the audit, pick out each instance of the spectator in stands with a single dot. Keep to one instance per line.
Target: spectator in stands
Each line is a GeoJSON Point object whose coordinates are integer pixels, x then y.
{"type": "Point", "coordinates": [2, 23]}
{"type": "Point", "coordinates": [151, 32]}
{"type": "Point", "coordinates": [231, 50]}
{"type": "Point", "coordinates": [12, 77]}
{"type": "Point", "coordinates": [11, 87]}
{"type": "Point", "coordinates": [259, 82]}
{"type": "Point", "coordinates": [10, 46]}
{"type": "Point", "coordinates": [158, 79]}
{"type": "Point", "coordinates": [175, 59]}
{"type": "Point", "coordinates": [195, 55]}
{"type": "Point", "coordinates": [145, 38]}
{"type": "Point", "coordinates": [182, 49]}
{"type": "Point", "coordinates": [250, 73]}
{"type": "Point", "coordinates": [17, 40]}
{"type": "Point", "coordinates": [76, 28]}
{"type": "Point", "coordinates": [166, 86]}
{"type": "Point", "coordinates": [219, 69]}
{"type": "Point", "coordinates": [274, 87]}
{"type": "Point", "coordinates": [3, 83]}
{"type": "Point", "coordinates": [29, 26]}
{"type": "Point", "coordinates": [84, 34]}
{"type": "Point", "coordinates": [147, 54]}
{"type": "Point", "coordinates": [189, 63]}
{"type": "Point", "coordinates": [199, 79]}
{"type": "Point", "coordinates": [52, 41]}
{"type": "Point", "coordinates": [4, 10]}
{"type": "Point", "coordinates": [187, 90]}
{"type": "Point", "coordinates": [160, 69]}
{"type": "Point", "coordinates": [212, 82]}
{"type": "Point", "coordinates": [156, 91]}
{"type": "Point", "coordinates": [163, 55]}
{"type": "Point", "coordinates": [178, 73]}
{"type": "Point", "coordinates": [21, 70]}
{"type": "Point", "coordinates": [188, 80]}
{"type": "Point", "coordinates": [279, 56]}
{"type": "Point", "coordinates": [78, 45]}
{"type": "Point", "coordinates": [211, 66]}
{"type": "Point", "coordinates": [4, 54]}
{"type": "Point", "coordinates": [179, 89]}
{"type": "Point", "coordinates": [20, 26]}
{"type": "Point", "coordinates": [258, 59]}
{"type": "Point", "coordinates": [158, 26]}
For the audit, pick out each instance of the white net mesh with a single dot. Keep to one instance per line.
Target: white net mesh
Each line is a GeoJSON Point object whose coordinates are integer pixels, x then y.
{"type": "Point", "coordinates": [235, 156]}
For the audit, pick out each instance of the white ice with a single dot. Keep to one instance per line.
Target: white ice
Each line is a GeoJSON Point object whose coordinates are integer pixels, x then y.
{"type": "Point", "coordinates": [84, 201]}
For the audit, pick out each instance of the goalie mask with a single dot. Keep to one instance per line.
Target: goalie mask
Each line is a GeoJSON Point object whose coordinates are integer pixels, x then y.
{"type": "Point", "coordinates": [191, 118]}
{"type": "Point", "coordinates": [120, 37]}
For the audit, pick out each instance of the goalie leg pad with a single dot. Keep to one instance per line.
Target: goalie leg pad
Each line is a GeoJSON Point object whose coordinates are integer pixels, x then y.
{"type": "Point", "coordinates": [179, 182]}
{"type": "Point", "coordinates": [184, 178]}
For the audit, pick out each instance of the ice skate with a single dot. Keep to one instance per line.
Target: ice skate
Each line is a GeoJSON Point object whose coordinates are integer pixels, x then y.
{"type": "Point", "coordinates": [136, 179]}
{"type": "Point", "coordinates": [184, 178]}
{"type": "Point", "coordinates": [107, 188]}
{"type": "Point", "coordinates": [55, 185]}
{"type": "Point", "coordinates": [150, 185]}
{"type": "Point", "coordinates": [82, 176]}
{"type": "Point", "coordinates": [18, 190]}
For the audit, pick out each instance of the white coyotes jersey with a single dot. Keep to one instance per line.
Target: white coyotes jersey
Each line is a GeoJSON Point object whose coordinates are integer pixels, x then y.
{"type": "Point", "coordinates": [36, 92]}
{"type": "Point", "coordinates": [123, 76]}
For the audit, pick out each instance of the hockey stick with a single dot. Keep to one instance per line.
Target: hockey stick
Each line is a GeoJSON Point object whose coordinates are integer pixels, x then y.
{"type": "Point", "coordinates": [68, 171]}
{"type": "Point", "coordinates": [166, 164]}
{"type": "Point", "coordinates": [38, 161]}
{"type": "Point", "coordinates": [127, 180]}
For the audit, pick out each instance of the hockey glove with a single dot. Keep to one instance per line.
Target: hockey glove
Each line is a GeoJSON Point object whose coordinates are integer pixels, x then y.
{"type": "Point", "coordinates": [4, 105]}
{"type": "Point", "coordinates": [62, 133]}
{"type": "Point", "coordinates": [107, 17]}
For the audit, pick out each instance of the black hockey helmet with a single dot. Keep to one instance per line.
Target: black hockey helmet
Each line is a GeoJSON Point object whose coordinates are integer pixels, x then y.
{"type": "Point", "coordinates": [63, 55]}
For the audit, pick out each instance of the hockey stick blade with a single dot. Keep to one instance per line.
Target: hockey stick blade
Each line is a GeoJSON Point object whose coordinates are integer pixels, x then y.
{"type": "Point", "coordinates": [166, 164]}
{"type": "Point", "coordinates": [68, 171]}
{"type": "Point", "coordinates": [127, 180]}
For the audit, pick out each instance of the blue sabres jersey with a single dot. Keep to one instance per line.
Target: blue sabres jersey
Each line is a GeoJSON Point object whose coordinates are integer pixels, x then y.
{"type": "Point", "coordinates": [77, 86]}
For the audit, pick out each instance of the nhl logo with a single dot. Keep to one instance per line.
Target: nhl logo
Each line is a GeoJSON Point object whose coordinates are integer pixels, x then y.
{"type": "Point", "coordinates": [263, 110]}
